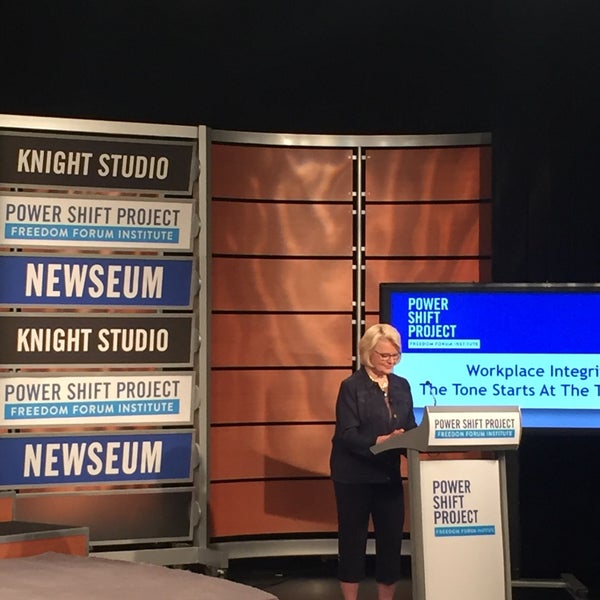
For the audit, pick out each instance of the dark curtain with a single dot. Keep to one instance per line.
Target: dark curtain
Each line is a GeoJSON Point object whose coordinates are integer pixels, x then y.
{"type": "Point", "coordinates": [546, 218]}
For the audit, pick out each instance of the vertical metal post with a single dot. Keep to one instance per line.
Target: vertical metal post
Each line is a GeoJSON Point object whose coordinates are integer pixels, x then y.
{"type": "Point", "coordinates": [214, 559]}
{"type": "Point", "coordinates": [358, 263]}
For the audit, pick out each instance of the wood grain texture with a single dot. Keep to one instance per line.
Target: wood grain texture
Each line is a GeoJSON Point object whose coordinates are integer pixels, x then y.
{"type": "Point", "coordinates": [275, 507]}
{"type": "Point", "coordinates": [270, 451]}
{"type": "Point", "coordinates": [274, 396]}
{"type": "Point", "coordinates": [409, 174]}
{"type": "Point", "coordinates": [281, 340]}
{"type": "Point", "coordinates": [276, 229]}
{"type": "Point", "coordinates": [281, 173]}
{"type": "Point", "coordinates": [254, 284]}
{"type": "Point", "coordinates": [402, 230]}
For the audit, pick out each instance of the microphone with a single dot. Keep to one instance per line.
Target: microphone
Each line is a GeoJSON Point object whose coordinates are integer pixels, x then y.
{"type": "Point", "coordinates": [428, 383]}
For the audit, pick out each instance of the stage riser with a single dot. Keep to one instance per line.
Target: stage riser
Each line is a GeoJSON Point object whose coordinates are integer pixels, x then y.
{"type": "Point", "coordinates": [21, 538]}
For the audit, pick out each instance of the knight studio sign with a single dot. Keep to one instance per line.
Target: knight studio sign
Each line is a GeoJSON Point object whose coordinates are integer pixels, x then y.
{"type": "Point", "coordinates": [78, 161]}
{"type": "Point", "coordinates": [56, 340]}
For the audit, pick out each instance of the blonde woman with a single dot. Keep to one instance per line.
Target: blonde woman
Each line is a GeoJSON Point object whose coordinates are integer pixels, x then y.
{"type": "Point", "coordinates": [373, 404]}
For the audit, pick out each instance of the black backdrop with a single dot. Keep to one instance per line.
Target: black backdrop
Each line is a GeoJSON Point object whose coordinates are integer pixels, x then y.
{"type": "Point", "coordinates": [526, 70]}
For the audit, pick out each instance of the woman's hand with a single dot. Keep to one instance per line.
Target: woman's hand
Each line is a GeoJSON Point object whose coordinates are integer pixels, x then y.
{"type": "Point", "coordinates": [383, 438]}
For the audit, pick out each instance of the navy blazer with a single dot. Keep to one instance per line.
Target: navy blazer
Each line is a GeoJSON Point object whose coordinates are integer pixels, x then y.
{"type": "Point", "coordinates": [361, 416]}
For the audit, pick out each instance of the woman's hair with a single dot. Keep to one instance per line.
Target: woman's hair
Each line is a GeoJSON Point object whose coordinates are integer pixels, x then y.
{"type": "Point", "coordinates": [372, 336]}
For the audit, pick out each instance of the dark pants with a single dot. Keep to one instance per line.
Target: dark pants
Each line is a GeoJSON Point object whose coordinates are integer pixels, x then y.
{"type": "Point", "coordinates": [384, 503]}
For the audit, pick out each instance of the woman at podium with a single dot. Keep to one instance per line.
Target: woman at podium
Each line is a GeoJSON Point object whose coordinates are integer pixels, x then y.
{"type": "Point", "coordinates": [373, 404]}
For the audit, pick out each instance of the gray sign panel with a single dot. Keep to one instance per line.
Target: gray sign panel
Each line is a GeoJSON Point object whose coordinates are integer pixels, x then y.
{"type": "Point", "coordinates": [98, 162]}
{"type": "Point", "coordinates": [31, 339]}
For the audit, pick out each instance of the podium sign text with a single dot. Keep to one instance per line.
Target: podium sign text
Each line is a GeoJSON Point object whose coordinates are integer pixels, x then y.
{"type": "Point", "coordinates": [460, 427]}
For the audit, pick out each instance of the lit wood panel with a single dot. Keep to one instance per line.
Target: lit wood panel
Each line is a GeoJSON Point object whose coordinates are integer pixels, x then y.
{"type": "Point", "coordinates": [259, 340]}
{"type": "Point", "coordinates": [466, 270]}
{"type": "Point", "coordinates": [272, 507]}
{"type": "Point", "coordinates": [270, 451]}
{"type": "Point", "coordinates": [281, 229]}
{"type": "Point", "coordinates": [7, 505]}
{"type": "Point", "coordinates": [267, 396]}
{"type": "Point", "coordinates": [281, 173]}
{"type": "Point", "coordinates": [408, 174]}
{"type": "Point", "coordinates": [276, 507]}
{"type": "Point", "coordinates": [428, 230]}
{"type": "Point", "coordinates": [281, 285]}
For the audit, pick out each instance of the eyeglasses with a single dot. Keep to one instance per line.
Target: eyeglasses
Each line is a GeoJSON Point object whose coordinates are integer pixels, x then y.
{"type": "Point", "coordinates": [387, 355]}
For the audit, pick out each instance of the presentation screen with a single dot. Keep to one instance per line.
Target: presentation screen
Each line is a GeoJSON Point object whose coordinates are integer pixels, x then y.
{"type": "Point", "coordinates": [532, 345]}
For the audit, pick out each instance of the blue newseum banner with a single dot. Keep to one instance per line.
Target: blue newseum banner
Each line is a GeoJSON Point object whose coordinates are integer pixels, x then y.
{"type": "Point", "coordinates": [97, 457]}
{"type": "Point", "coordinates": [84, 280]}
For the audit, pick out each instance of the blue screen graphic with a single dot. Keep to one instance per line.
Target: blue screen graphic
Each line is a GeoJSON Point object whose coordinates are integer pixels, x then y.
{"type": "Point", "coordinates": [532, 345]}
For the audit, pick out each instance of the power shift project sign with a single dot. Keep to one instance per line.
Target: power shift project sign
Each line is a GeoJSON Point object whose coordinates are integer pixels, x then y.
{"type": "Point", "coordinates": [113, 223]}
{"type": "Point", "coordinates": [69, 399]}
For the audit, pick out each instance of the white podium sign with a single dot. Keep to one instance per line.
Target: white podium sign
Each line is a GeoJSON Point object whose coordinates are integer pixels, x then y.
{"type": "Point", "coordinates": [462, 530]}
{"type": "Point", "coordinates": [460, 427]}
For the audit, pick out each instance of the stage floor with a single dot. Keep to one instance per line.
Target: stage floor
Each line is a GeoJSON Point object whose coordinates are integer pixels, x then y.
{"type": "Point", "coordinates": [312, 578]}
{"type": "Point", "coordinates": [56, 576]}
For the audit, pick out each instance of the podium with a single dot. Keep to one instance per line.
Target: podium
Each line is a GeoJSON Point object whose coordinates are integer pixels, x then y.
{"type": "Point", "coordinates": [459, 507]}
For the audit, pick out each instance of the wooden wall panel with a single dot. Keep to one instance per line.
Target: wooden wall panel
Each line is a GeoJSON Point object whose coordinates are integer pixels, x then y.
{"type": "Point", "coordinates": [281, 229]}
{"type": "Point", "coordinates": [462, 173]}
{"type": "Point", "coordinates": [254, 284]}
{"type": "Point", "coordinates": [270, 451]}
{"type": "Point", "coordinates": [465, 270]}
{"type": "Point", "coordinates": [272, 507]}
{"type": "Point", "coordinates": [274, 396]}
{"type": "Point", "coordinates": [7, 506]}
{"type": "Point", "coordinates": [281, 173]}
{"type": "Point", "coordinates": [434, 230]}
{"type": "Point", "coordinates": [255, 508]}
{"type": "Point", "coordinates": [276, 340]}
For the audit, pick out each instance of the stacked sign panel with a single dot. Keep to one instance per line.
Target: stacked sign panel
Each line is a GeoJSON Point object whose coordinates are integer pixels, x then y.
{"type": "Point", "coordinates": [98, 317]}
